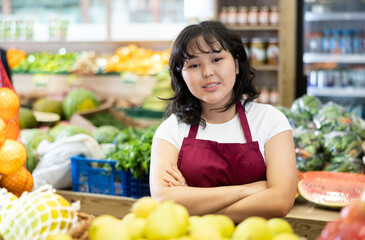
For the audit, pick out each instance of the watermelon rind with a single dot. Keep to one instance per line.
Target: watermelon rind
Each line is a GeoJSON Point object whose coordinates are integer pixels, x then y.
{"type": "Point", "coordinates": [331, 189]}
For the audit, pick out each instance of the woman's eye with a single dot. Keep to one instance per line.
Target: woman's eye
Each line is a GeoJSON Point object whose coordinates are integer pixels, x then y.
{"type": "Point", "coordinates": [217, 59]}
{"type": "Point", "coordinates": [194, 66]}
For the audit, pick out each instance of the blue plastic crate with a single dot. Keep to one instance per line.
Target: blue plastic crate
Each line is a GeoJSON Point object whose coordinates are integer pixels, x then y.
{"type": "Point", "coordinates": [101, 176]}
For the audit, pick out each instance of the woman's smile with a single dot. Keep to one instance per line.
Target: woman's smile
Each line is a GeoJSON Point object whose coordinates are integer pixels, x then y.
{"type": "Point", "coordinates": [211, 86]}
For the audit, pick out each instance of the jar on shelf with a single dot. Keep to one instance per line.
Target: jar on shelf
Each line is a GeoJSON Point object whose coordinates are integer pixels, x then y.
{"type": "Point", "coordinates": [223, 15]}
{"type": "Point", "coordinates": [272, 51]}
{"type": "Point", "coordinates": [258, 51]}
{"type": "Point", "coordinates": [252, 15]}
{"type": "Point", "coordinates": [232, 15]}
{"type": "Point", "coordinates": [274, 96]}
{"type": "Point", "coordinates": [264, 95]}
{"type": "Point", "coordinates": [263, 16]}
{"type": "Point", "coordinates": [274, 16]}
{"type": "Point", "coordinates": [242, 15]}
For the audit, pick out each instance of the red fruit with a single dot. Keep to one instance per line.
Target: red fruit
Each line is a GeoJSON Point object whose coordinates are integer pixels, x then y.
{"type": "Point", "coordinates": [353, 211]}
{"type": "Point", "coordinates": [353, 231]}
{"type": "Point", "coordinates": [330, 231]}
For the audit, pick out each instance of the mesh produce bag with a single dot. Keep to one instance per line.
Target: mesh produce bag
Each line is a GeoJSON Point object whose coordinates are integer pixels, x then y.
{"type": "Point", "coordinates": [37, 214]}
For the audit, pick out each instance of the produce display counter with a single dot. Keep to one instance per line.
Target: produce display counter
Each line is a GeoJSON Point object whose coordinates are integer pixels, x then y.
{"type": "Point", "coordinates": [307, 219]}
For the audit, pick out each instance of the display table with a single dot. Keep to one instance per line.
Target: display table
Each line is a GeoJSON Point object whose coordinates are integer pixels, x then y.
{"type": "Point", "coordinates": [306, 219]}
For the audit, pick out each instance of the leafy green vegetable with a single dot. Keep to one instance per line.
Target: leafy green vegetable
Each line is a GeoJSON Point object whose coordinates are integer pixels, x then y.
{"type": "Point", "coordinates": [345, 163]}
{"type": "Point", "coordinates": [343, 143]}
{"type": "Point", "coordinates": [133, 150]}
{"type": "Point", "coordinates": [314, 162]}
{"type": "Point", "coordinates": [332, 117]}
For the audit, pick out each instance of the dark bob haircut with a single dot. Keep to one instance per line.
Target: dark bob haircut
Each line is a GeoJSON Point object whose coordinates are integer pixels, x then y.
{"type": "Point", "coordinates": [217, 36]}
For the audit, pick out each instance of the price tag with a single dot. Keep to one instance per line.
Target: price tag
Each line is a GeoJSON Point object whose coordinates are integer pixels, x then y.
{"type": "Point", "coordinates": [40, 81]}
{"type": "Point", "coordinates": [74, 80]}
{"type": "Point", "coordinates": [129, 78]}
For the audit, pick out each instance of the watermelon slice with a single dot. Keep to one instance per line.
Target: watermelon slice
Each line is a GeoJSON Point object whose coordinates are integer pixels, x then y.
{"type": "Point", "coordinates": [299, 177]}
{"type": "Point", "coordinates": [331, 189]}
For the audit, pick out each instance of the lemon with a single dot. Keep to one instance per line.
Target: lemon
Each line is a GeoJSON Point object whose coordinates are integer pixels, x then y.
{"type": "Point", "coordinates": [286, 236]}
{"type": "Point", "coordinates": [205, 232]}
{"type": "Point", "coordinates": [143, 206]}
{"type": "Point", "coordinates": [227, 226]}
{"type": "Point", "coordinates": [134, 225]}
{"type": "Point", "coordinates": [252, 228]}
{"type": "Point", "coordinates": [279, 225]}
{"type": "Point", "coordinates": [107, 227]}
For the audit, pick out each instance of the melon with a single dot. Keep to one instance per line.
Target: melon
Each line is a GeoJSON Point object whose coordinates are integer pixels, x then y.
{"type": "Point", "coordinates": [48, 105]}
{"type": "Point", "coordinates": [34, 136]}
{"type": "Point", "coordinates": [78, 100]}
{"type": "Point", "coordinates": [331, 189]}
{"type": "Point", "coordinates": [106, 134]}
{"type": "Point", "coordinates": [54, 131]}
{"type": "Point", "coordinates": [71, 130]}
{"type": "Point", "coordinates": [27, 118]}
{"type": "Point", "coordinates": [32, 159]}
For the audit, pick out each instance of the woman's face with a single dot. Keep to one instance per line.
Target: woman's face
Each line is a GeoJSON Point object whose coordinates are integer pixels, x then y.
{"type": "Point", "coordinates": [210, 75]}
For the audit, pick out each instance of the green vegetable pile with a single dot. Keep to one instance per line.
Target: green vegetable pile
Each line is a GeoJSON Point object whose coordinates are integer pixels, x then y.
{"type": "Point", "coordinates": [326, 136]}
{"type": "Point", "coordinates": [133, 150]}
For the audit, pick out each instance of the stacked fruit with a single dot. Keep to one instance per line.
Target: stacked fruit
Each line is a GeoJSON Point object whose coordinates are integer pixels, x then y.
{"type": "Point", "coordinates": [167, 220]}
{"type": "Point", "coordinates": [13, 175]}
{"type": "Point", "coordinates": [36, 215]}
{"type": "Point", "coordinates": [350, 226]}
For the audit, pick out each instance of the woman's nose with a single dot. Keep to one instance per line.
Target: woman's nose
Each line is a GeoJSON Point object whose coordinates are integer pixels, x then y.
{"type": "Point", "coordinates": [207, 72]}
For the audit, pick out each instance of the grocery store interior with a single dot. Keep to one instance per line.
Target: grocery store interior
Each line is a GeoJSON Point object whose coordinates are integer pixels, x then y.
{"type": "Point", "coordinates": [91, 77]}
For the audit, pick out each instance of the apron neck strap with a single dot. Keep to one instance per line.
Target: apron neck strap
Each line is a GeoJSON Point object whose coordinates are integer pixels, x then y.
{"type": "Point", "coordinates": [243, 119]}
{"type": "Point", "coordinates": [244, 122]}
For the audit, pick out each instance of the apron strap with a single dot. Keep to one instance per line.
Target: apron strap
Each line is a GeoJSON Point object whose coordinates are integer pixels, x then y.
{"type": "Point", "coordinates": [193, 131]}
{"type": "Point", "coordinates": [244, 122]}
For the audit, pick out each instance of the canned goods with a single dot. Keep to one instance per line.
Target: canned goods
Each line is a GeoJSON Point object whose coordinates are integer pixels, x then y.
{"type": "Point", "coordinates": [258, 52]}
{"type": "Point", "coordinates": [242, 15]}
{"type": "Point", "coordinates": [252, 15]}
{"type": "Point", "coordinates": [263, 17]}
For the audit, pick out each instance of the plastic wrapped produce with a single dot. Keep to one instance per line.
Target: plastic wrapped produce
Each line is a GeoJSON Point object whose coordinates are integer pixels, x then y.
{"type": "Point", "coordinates": [288, 113]}
{"type": "Point", "coordinates": [342, 143]}
{"type": "Point", "coordinates": [308, 140]}
{"type": "Point", "coordinates": [314, 162]}
{"type": "Point", "coordinates": [345, 163]}
{"type": "Point", "coordinates": [306, 105]}
{"type": "Point", "coordinates": [358, 125]}
{"type": "Point", "coordinates": [332, 117]}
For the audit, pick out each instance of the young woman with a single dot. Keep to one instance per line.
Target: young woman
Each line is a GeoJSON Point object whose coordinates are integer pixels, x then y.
{"type": "Point", "coordinates": [218, 151]}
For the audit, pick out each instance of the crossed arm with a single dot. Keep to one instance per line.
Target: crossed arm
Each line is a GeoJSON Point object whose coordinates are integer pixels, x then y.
{"type": "Point", "coordinates": [271, 198]}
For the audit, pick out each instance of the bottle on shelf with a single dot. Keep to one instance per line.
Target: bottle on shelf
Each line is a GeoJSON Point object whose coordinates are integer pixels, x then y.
{"type": "Point", "coordinates": [335, 42]}
{"type": "Point", "coordinates": [326, 41]}
{"type": "Point", "coordinates": [356, 42]}
{"type": "Point", "coordinates": [274, 96]}
{"type": "Point", "coordinates": [315, 42]}
{"type": "Point", "coordinates": [346, 45]}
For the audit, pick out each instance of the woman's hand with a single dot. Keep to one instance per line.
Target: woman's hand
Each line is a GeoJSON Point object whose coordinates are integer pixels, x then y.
{"type": "Point", "coordinates": [174, 177]}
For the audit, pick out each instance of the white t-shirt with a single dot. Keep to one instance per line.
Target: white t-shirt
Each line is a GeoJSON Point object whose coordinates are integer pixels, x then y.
{"type": "Point", "coordinates": [265, 121]}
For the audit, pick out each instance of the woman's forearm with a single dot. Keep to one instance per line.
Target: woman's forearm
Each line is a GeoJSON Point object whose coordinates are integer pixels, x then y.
{"type": "Point", "coordinates": [200, 201]}
{"type": "Point", "coordinates": [268, 203]}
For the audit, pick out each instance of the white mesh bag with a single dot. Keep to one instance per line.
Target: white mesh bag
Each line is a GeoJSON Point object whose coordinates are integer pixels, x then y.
{"type": "Point", "coordinates": [37, 214]}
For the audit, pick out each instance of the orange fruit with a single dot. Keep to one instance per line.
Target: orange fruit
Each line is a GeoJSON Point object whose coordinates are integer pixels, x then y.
{"type": "Point", "coordinates": [9, 104]}
{"type": "Point", "coordinates": [18, 182]}
{"type": "Point", "coordinates": [12, 129]}
{"type": "Point", "coordinates": [2, 131]}
{"type": "Point", "coordinates": [13, 156]}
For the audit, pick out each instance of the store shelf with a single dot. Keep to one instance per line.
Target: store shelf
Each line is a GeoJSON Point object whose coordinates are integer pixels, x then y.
{"type": "Point", "coordinates": [337, 92]}
{"type": "Point", "coordinates": [253, 28]}
{"type": "Point", "coordinates": [334, 16]}
{"type": "Point", "coordinates": [333, 58]}
{"type": "Point", "coordinates": [266, 67]}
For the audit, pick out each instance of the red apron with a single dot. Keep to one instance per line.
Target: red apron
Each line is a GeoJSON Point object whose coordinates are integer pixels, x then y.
{"type": "Point", "coordinates": [206, 163]}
